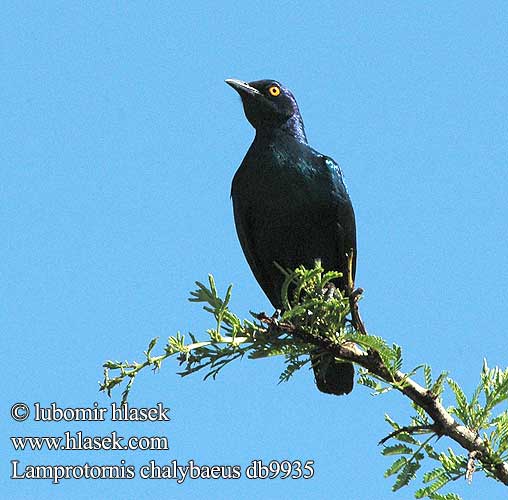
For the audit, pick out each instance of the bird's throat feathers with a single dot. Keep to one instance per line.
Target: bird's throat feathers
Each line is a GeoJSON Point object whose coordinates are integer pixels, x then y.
{"type": "Point", "coordinates": [293, 127]}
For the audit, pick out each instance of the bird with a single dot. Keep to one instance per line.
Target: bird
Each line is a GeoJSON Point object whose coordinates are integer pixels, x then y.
{"type": "Point", "coordinates": [291, 207]}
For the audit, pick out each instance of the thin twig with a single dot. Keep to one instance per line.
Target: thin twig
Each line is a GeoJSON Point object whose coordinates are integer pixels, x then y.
{"type": "Point", "coordinates": [354, 296]}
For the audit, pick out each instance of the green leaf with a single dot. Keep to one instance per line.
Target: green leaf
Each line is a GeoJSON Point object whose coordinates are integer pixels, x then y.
{"type": "Point", "coordinates": [113, 365]}
{"type": "Point", "coordinates": [460, 397]}
{"type": "Point", "coordinates": [407, 474]}
{"type": "Point", "coordinates": [396, 466]}
{"type": "Point", "coordinates": [446, 496]}
{"type": "Point", "coordinates": [427, 375]}
{"type": "Point", "coordinates": [433, 474]}
{"type": "Point", "coordinates": [406, 438]}
{"type": "Point", "coordinates": [439, 482]}
{"type": "Point", "coordinates": [397, 449]}
{"type": "Point", "coordinates": [152, 344]}
{"type": "Point", "coordinates": [438, 386]}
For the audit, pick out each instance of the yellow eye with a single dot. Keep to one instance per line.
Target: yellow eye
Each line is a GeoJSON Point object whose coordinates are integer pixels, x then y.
{"type": "Point", "coordinates": [274, 90]}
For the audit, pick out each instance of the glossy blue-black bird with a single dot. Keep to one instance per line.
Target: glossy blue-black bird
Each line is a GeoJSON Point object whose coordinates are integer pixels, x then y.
{"type": "Point", "coordinates": [291, 206]}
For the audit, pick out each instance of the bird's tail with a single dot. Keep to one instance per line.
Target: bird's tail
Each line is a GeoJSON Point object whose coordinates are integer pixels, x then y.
{"type": "Point", "coordinates": [332, 377]}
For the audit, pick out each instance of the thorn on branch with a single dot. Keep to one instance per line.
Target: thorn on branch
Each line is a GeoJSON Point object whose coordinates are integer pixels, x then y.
{"type": "Point", "coordinates": [411, 429]}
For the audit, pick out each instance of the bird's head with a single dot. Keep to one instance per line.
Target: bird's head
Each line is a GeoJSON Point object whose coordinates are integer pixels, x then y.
{"type": "Point", "coordinates": [268, 105]}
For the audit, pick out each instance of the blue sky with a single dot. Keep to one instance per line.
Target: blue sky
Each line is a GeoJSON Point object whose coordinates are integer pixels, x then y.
{"type": "Point", "coordinates": [120, 141]}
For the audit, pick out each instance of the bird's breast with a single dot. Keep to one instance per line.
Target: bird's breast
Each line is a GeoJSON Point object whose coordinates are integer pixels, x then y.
{"type": "Point", "coordinates": [277, 181]}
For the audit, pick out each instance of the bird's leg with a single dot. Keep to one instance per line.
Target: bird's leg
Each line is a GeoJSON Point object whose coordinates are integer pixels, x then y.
{"type": "Point", "coordinates": [263, 318]}
{"type": "Point", "coordinates": [272, 321]}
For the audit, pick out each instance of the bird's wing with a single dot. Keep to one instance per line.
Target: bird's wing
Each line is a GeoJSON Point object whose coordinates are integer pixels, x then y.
{"type": "Point", "coordinates": [244, 228]}
{"type": "Point", "coordinates": [346, 233]}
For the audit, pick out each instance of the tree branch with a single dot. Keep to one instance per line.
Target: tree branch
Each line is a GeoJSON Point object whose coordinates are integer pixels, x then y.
{"type": "Point", "coordinates": [424, 398]}
{"type": "Point", "coordinates": [316, 315]}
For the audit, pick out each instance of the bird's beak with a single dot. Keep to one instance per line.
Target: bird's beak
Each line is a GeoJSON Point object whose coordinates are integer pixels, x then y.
{"type": "Point", "coordinates": [242, 88]}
